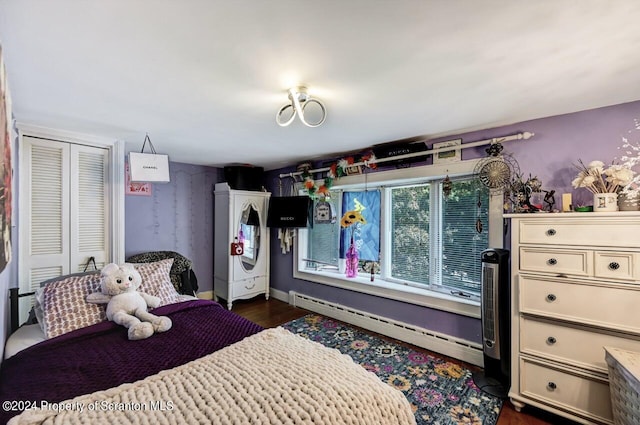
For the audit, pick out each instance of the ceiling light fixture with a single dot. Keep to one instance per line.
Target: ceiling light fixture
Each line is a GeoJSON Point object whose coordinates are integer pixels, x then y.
{"type": "Point", "coordinates": [299, 100]}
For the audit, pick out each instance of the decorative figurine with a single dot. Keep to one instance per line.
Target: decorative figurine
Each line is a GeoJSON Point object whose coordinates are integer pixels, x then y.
{"type": "Point", "coordinates": [549, 200]}
{"type": "Point", "coordinates": [447, 186]}
{"type": "Point", "coordinates": [522, 192]}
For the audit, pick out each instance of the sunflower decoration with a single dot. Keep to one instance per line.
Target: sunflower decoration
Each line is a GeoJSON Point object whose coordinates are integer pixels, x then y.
{"type": "Point", "coordinates": [351, 219]}
{"type": "Point", "coordinates": [354, 216]}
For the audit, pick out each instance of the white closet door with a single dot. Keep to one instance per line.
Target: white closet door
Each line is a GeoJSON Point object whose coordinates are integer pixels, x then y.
{"type": "Point", "coordinates": [89, 207]}
{"type": "Point", "coordinates": [45, 196]}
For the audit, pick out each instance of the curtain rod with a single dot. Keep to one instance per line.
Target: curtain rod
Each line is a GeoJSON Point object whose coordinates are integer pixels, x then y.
{"type": "Point", "coordinates": [519, 136]}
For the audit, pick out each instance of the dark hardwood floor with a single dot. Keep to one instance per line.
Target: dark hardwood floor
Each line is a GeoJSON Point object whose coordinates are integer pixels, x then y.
{"type": "Point", "coordinates": [273, 313]}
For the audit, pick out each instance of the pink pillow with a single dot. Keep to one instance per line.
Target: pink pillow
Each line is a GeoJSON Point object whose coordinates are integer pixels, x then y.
{"type": "Point", "coordinates": [157, 282]}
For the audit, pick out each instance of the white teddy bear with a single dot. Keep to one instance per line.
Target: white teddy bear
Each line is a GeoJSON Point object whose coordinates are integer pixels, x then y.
{"type": "Point", "coordinates": [125, 305]}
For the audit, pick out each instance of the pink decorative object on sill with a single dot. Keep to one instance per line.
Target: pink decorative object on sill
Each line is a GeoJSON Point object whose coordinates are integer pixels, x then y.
{"type": "Point", "coordinates": [351, 218]}
{"type": "Point", "coordinates": [352, 260]}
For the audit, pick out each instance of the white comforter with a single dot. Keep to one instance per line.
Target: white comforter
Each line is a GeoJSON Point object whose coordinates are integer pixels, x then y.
{"type": "Point", "coordinates": [273, 377]}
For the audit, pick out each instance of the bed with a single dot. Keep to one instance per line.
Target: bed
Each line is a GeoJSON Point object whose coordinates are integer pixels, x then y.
{"type": "Point", "coordinates": [212, 366]}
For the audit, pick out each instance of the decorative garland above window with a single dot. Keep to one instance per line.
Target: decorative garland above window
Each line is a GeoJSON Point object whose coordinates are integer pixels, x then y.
{"type": "Point", "coordinates": [336, 170]}
{"type": "Point", "coordinates": [370, 161]}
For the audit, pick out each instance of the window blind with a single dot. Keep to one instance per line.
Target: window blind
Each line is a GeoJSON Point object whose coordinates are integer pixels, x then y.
{"type": "Point", "coordinates": [463, 239]}
{"type": "Point", "coordinates": [410, 233]}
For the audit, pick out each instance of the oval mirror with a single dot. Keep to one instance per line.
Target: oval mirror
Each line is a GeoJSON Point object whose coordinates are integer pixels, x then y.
{"type": "Point", "coordinates": [249, 235]}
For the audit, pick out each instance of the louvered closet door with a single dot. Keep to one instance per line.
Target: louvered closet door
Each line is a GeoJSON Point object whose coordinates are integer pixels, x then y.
{"type": "Point", "coordinates": [89, 207]}
{"type": "Point", "coordinates": [65, 190]}
{"type": "Point", "coordinates": [46, 198]}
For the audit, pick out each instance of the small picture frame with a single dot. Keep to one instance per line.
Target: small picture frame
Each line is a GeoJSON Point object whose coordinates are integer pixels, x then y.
{"type": "Point", "coordinates": [132, 188]}
{"type": "Point", "coordinates": [353, 169]}
{"type": "Point", "coordinates": [447, 156]}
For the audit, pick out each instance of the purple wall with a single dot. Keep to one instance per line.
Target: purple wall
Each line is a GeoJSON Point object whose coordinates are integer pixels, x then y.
{"type": "Point", "coordinates": [558, 144]}
{"type": "Point", "coordinates": [562, 140]}
{"type": "Point", "coordinates": [178, 216]}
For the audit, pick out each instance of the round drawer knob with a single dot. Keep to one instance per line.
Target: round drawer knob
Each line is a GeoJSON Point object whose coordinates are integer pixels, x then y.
{"type": "Point", "coordinates": [551, 232]}
{"type": "Point", "coordinates": [551, 297]}
{"type": "Point", "coordinates": [551, 340]}
{"type": "Point", "coordinates": [552, 261]}
{"type": "Point", "coordinates": [614, 266]}
{"type": "Point", "coordinates": [552, 386]}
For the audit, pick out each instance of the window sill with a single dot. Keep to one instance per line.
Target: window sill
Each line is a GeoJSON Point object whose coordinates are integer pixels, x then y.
{"type": "Point", "coordinates": [384, 289]}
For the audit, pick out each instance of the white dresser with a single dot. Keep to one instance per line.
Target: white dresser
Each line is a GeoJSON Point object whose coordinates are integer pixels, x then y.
{"type": "Point", "coordinates": [575, 289]}
{"type": "Point", "coordinates": [240, 217]}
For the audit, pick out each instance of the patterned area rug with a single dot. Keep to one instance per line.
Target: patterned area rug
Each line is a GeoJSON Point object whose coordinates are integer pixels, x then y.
{"type": "Point", "coordinates": [439, 391]}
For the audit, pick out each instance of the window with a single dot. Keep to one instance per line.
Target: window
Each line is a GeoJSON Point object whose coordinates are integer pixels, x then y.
{"type": "Point", "coordinates": [439, 248]}
{"type": "Point", "coordinates": [424, 242]}
{"type": "Point", "coordinates": [464, 235]}
{"type": "Point", "coordinates": [409, 229]}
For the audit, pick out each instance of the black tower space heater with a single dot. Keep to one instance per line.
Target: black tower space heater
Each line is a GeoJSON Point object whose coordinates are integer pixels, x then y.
{"type": "Point", "coordinates": [496, 329]}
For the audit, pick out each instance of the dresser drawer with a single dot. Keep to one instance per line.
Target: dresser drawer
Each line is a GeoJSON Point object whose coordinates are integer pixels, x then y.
{"type": "Point", "coordinates": [565, 299]}
{"type": "Point", "coordinates": [556, 261]}
{"type": "Point", "coordinates": [583, 394]}
{"type": "Point", "coordinates": [617, 265]}
{"type": "Point", "coordinates": [572, 345]}
{"type": "Point", "coordinates": [604, 232]}
{"type": "Point", "coordinates": [249, 286]}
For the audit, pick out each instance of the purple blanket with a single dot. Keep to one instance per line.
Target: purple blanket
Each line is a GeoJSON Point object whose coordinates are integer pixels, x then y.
{"type": "Point", "coordinates": [100, 356]}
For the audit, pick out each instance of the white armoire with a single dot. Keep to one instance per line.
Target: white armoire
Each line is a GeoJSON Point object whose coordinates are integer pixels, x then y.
{"type": "Point", "coordinates": [240, 272]}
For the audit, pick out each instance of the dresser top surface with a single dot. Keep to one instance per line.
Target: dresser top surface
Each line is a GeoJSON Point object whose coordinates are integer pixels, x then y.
{"type": "Point", "coordinates": [564, 215]}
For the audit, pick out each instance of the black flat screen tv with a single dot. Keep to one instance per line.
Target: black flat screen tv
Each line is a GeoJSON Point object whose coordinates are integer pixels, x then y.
{"type": "Point", "coordinates": [288, 211]}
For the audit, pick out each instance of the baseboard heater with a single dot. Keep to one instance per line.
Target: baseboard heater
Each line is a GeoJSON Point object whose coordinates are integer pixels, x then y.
{"type": "Point", "coordinates": [440, 343]}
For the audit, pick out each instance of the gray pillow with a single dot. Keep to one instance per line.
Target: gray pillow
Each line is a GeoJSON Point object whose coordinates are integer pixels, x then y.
{"type": "Point", "coordinates": [35, 314]}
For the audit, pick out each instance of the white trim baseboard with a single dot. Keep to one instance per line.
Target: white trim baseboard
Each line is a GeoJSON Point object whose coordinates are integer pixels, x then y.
{"type": "Point", "coordinates": [447, 345]}
{"type": "Point", "coordinates": [279, 295]}
{"type": "Point", "coordinates": [205, 295]}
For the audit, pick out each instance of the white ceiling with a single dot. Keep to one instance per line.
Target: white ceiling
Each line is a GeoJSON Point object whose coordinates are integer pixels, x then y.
{"type": "Point", "coordinates": [205, 78]}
